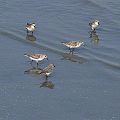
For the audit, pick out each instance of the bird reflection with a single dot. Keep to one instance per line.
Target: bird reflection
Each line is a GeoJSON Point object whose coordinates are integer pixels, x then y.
{"type": "Point", "coordinates": [33, 70]}
{"type": "Point", "coordinates": [48, 84]}
{"type": "Point", "coordinates": [94, 37]}
{"type": "Point", "coordinates": [31, 38]}
{"type": "Point", "coordinates": [38, 71]}
{"type": "Point", "coordinates": [73, 57]}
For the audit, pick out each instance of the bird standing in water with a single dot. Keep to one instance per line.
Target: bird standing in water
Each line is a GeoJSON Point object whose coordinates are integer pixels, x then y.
{"type": "Point", "coordinates": [94, 24]}
{"type": "Point", "coordinates": [30, 27]}
{"type": "Point", "coordinates": [36, 57]}
{"type": "Point", "coordinates": [48, 70]}
{"type": "Point", "coordinates": [72, 44]}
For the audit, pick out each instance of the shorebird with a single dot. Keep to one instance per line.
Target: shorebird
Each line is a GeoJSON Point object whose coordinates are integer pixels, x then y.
{"type": "Point", "coordinates": [94, 24]}
{"type": "Point", "coordinates": [30, 27]}
{"type": "Point", "coordinates": [48, 70]}
{"type": "Point", "coordinates": [73, 44]}
{"type": "Point", "coordinates": [36, 57]}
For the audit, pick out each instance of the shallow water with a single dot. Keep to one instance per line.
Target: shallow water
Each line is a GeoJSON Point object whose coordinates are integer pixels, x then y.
{"type": "Point", "coordinates": [85, 85]}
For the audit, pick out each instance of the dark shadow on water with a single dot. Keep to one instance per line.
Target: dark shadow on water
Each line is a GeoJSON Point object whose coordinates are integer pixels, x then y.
{"type": "Point", "coordinates": [33, 70]}
{"type": "Point", "coordinates": [71, 56]}
{"type": "Point", "coordinates": [31, 38]}
{"type": "Point", "coordinates": [94, 37]}
{"type": "Point", "coordinates": [37, 71]}
{"type": "Point", "coordinates": [47, 84]}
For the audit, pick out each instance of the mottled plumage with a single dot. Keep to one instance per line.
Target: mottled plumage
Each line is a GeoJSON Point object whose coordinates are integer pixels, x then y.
{"type": "Point", "coordinates": [36, 57]}
{"type": "Point", "coordinates": [48, 70]}
{"type": "Point", "coordinates": [72, 44]}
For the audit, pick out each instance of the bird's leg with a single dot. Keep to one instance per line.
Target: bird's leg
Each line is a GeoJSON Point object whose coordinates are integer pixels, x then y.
{"type": "Point", "coordinates": [27, 32]}
{"type": "Point", "coordinates": [73, 49]}
{"type": "Point", "coordinates": [37, 64]}
{"type": "Point", "coordinates": [70, 50]}
{"type": "Point", "coordinates": [32, 32]}
{"type": "Point", "coordinates": [46, 77]}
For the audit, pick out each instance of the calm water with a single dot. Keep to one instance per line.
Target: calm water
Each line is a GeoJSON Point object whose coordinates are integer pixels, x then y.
{"type": "Point", "coordinates": [85, 85]}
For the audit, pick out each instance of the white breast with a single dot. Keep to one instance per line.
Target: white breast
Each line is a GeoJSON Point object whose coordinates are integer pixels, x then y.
{"type": "Point", "coordinates": [39, 59]}
{"type": "Point", "coordinates": [32, 28]}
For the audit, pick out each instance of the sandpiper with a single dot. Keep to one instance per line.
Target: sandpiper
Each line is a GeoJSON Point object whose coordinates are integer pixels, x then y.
{"type": "Point", "coordinates": [94, 24]}
{"type": "Point", "coordinates": [30, 27]}
{"type": "Point", "coordinates": [73, 44]}
{"type": "Point", "coordinates": [36, 57]}
{"type": "Point", "coordinates": [48, 70]}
